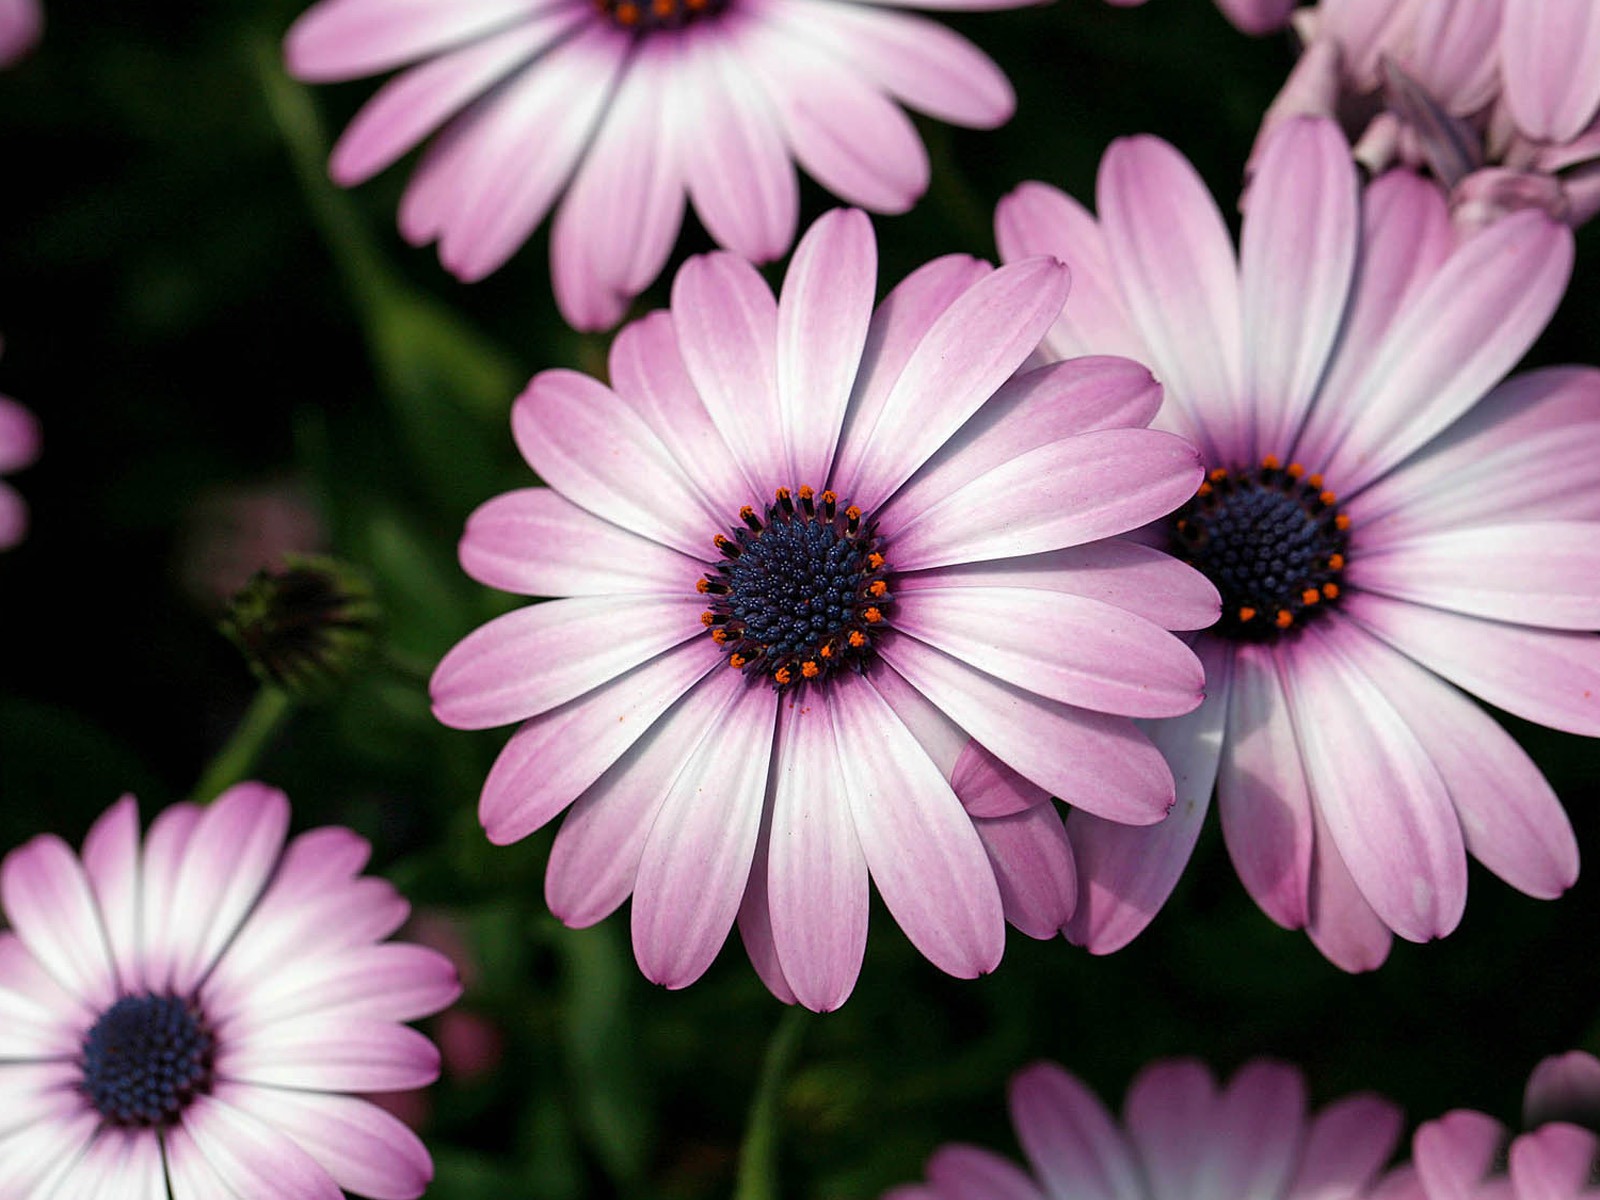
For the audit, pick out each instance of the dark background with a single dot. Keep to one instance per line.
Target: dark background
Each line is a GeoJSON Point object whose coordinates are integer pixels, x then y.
{"type": "Point", "coordinates": [190, 310]}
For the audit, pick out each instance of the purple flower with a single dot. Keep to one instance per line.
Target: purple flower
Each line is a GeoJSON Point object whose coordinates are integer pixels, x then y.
{"type": "Point", "coordinates": [1389, 526]}
{"type": "Point", "coordinates": [808, 548]}
{"type": "Point", "coordinates": [1182, 1138]}
{"type": "Point", "coordinates": [1466, 1155]}
{"type": "Point", "coordinates": [196, 1009]}
{"type": "Point", "coordinates": [632, 106]}
{"type": "Point", "coordinates": [19, 446]}
{"type": "Point", "coordinates": [21, 23]}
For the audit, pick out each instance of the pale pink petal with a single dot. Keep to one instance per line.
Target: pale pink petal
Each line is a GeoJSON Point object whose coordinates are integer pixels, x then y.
{"type": "Point", "coordinates": [1123, 573]}
{"type": "Point", "coordinates": [942, 740]}
{"type": "Point", "coordinates": [823, 315]}
{"type": "Point", "coordinates": [816, 875]}
{"type": "Point", "coordinates": [525, 149]}
{"type": "Point", "coordinates": [121, 1163]}
{"type": "Point", "coordinates": [535, 542]}
{"type": "Point", "coordinates": [739, 171]}
{"type": "Point", "coordinates": [327, 1054]}
{"type": "Point", "coordinates": [1257, 1131]}
{"type": "Point", "coordinates": [1452, 342]}
{"type": "Point", "coordinates": [755, 918]}
{"type": "Point", "coordinates": [590, 446]}
{"type": "Point", "coordinates": [1071, 1141]}
{"type": "Point", "coordinates": [1069, 492]}
{"type": "Point", "coordinates": [1257, 17]}
{"type": "Point", "coordinates": [1174, 260]}
{"type": "Point", "coordinates": [550, 761]}
{"type": "Point", "coordinates": [926, 861]}
{"type": "Point", "coordinates": [1542, 573]}
{"type": "Point", "coordinates": [1522, 454]}
{"type": "Point", "coordinates": [1031, 410]}
{"type": "Point", "coordinates": [412, 105]}
{"type": "Point", "coordinates": [50, 906]}
{"type": "Point", "coordinates": [1550, 66]}
{"type": "Point", "coordinates": [1039, 219]}
{"type": "Point", "coordinates": [847, 134]}
{"type": "Point", "coordinates": [21, 23]}
{"type": "Point", "coordinates": [235, 847]}
{"type": "Point", "coordinates": [1126, 872]}
{"type": "Point", "coordinates": [1033, 866]}
{"type": "Point", "coordinates": [363, 1148]}
{"type": "Point", "coordinates": [727, 323]}
{"type": "Point", "coordinates": [33, 1160]}
{"type": "Point", "coordinates": [161, 928]}
{"type": "Point", "coordinates": [1263, 796]}
{"type": "Point", "coordinates": [20, 436]}
{"type": "Point", "coordinates": [1454, 51]}
{"type": "Point", "coordinates": [528, 661]}
{"type": "Point", "coordinates": [1553, 1163]}
{"type": "Point", "coordinates": [970, 1173]}
{"type": "Point", "coordinates": [13, 516]}
{"type": "Point", "coordinates": [1454, 1153]}
{"type": "Point", "coordinates": [596, 854]}
{"type": "Point", "coordinates": [190, 1172]}
{"type": "Point", "coordinates": [1386, 806]}
{"type": "Point", "coordinates": [252, 1157]}
{"type": "Point", "coordinates": [393, 981]}
{"type": "Point", "coordinates": [1563, 1087]}
{"type": "Point", "coordinates": [1297, 256]}
{"type": "Point", "coordinates": [923, 64]}
{"type": "Point", "coordinates": [989, 788]}
{"type": "Point", "coordinates": [111, 861]}
{"type": "Point", "coordinates": [1346, 1147]}
{"type": "Point", "coordinates": [1169, 1113]}
{"type": "Point", "coordinates": [40, 1095]}
{"type": "Point", "coordinates": [38, 1020]}
{"type": "Point", "coordinates": [696, 861]}
{"type": "Point", "coordinates": [1545, 675]}
{"type": "Point", "coordinates": [960, 361]}
{"type": "Point", "coordinates": [346, 39]}
{"type": "Point", "coordinates": [1079, 651]}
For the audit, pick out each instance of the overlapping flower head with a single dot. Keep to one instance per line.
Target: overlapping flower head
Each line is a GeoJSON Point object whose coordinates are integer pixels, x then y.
{"type": "Point", "coordinates": [806, 548]}
{"type": "Point", "coordinates": [191, 1014]}
{"type": "Point", "coordinates": [1388, 524]}
{"type": "Point", "coordinates": [627, 108]}
{"type": "Point", "coordinates": [1181, 1138]}
{"type": "Point", "coordinates": [1499, 98]}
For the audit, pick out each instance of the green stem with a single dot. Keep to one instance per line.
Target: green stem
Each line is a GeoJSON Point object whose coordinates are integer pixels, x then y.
{"type": "Point", "coordinates": [758, 1156]}
{"type": "Point", "coordinates": [261, 722]}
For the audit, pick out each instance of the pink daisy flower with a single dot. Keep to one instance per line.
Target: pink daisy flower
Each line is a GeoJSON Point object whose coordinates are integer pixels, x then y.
{"type": "Point", "coordinates": [630, 107]}
{"type": "Point", "coordinates": [19, 446]}
{"type": "Point", "coordinates": [1499, 98]}
{"type": "Point", "coordinates": [184, 1019]}
{"type": "Point", "coordinates": [806, 549]}
{"type": "Point", "coordinates": [21, 23]}
{"type": "Point", "coordinates": [1389, 526]}
{"type": "Point", "coordinates": [1182, 1138]}
{"type": "Point", "coordinates": [1466, 1155]}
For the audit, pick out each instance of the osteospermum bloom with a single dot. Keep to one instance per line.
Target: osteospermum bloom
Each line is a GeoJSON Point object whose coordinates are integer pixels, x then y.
{"type": "Point", "coordinates": [1388, 525]}
{"type": "Point", "coordinates": [1182, 1138]}
{"type": "Point", "coordinates": [632, 107]}
{"type": "Point", "coordinates": [19, 446]}
{"type": "Point", "coordinates": [1467, 1155]}
{"type": "Point", "coordinates": [184, 1019]}
{"type": "Point", "coordinates": [806, 549]}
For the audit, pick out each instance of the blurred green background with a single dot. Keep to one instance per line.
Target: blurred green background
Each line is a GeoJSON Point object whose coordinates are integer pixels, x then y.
{"type": "Point", "coordinates": [211, 333]}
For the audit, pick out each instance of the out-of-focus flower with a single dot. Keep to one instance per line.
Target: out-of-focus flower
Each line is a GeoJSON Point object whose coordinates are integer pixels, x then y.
{"type": "Point", "coordinates": [1467, 1155]}
{"type": "Point", "coordinates": [235, 530]}
{"type": "Point", "coordinates": [630, 107]}
{"type": "Point", "coordinates": [305, 626]}
{"type": "Point", "coordinates": [1182, 1138]}
{"type": "Point", "coordinates": [1248, 16]}
{"type": "Point", "coordinates": [21, 23]}
{"type": "Point", "coordinates": [807, 549]}
{"type": "Point", "coordinates": [1500, 99]}
{"type": "Point", "coordinates": [195, 1011]}
{"type": "Point", "coordinates": [19, 446]}
{"type": "Point", "coordinates": [1387, 523]}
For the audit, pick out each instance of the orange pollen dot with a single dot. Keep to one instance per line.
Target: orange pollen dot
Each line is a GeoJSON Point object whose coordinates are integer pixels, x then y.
{"type": "Point", "coordinates": [737, 661]}
{"type": "Point", "coordinates": [1327, 498]}
{"type": "Point", "coordinates": [877, 587]}
{"type": "Point", "coordinates": [874, 561]}
{"type": "Point", "coordinates": [1296, 470]}
{"type": "Point", "coordinates": [1247, 613]}
{"type": "Point", "coordinates": [1315, 481]}
{"type": "Point", "coordinates": [1270, 462]}
{"type": "Point", "coordinates": [1330, 590]}
{"type": "Point", "coordinates": [1218, 474]}
{"type": "Point", "coordinates": [825, 652]}
{"type": "Point", "coordinates": [829, 498]}
{"type": "Point", "coordinates": [696, 5]}
{"type": "Point", "coordinates": [628, 14]}
{"type": "Point", "coordinates": [1335, 562]}
{"type": "Point", "coordinates": [1310, 596]}
{"type": "Point", "coordinates": [719, 636]}
{"type": "Point", "coordinates": [783, 493]}
{"type": "Point", "coordinates": [746, 513]}
{"type": "Point", "coordinates": [810, 669]}
{"type": "Point", "coordinates": [872, 616]}
{"type": "Point", "coordinates": [663, 8]}
{"type": "Point", "coordinates": [782, 675]}
{"type": "Point", "coordinates": [706, 619]}
{"type": "Point", "coordinates": [1285, 618]}
{"type": "Point", "coordinates": [701, 586]}
{"type": "Point", "coordinates": [805, 492]}
{"type": "Point", "coordinates": [1205, 490]}
{"type": "Point", "coordinates": [852, 513]}
{"type": "Point", "coordinates": [721, 542]}
{"type": "Point", "coordinates": [1342, 521]}
{"type": "Point", "coordinates": [857, 639]}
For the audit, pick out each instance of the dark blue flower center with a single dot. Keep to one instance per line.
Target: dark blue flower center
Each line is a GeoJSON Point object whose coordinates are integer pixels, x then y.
{"type": "Point", "coordinates": [801, 590]}
{"type": "Point", "coordinates": [1272, 540]}
{"type": "Point", "coordinates": [145, 1059]}
{"type": "Point", "coordinates": [646, 16]}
